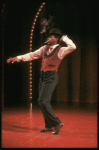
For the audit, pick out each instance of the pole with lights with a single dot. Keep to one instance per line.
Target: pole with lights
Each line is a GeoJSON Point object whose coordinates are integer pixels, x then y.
{"type": "Point", "coordinates": [30, 65]}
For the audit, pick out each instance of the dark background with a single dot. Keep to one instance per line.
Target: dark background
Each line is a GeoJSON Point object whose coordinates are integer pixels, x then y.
{"type": "Point", "coordinates": [78, 70]}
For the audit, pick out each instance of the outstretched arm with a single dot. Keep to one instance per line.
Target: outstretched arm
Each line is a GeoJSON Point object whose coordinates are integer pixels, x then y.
{"type": "Point", "coordinates": [29, 56]}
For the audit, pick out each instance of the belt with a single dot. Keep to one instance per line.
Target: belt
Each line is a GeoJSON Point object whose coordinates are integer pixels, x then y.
{"type": "Point", "coordinates": [46, 74]}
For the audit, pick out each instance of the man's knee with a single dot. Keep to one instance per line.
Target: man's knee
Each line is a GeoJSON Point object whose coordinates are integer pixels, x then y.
{"type": "Point", "coordinates": [42, 104]}
{"type": "Point", "coordinates": [40, 101]}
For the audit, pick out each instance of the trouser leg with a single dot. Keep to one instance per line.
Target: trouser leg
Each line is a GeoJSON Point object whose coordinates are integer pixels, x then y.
{"type": "Point", "coordinates": [46, 89]}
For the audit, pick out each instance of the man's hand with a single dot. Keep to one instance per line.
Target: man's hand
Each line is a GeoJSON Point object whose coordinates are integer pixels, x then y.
{"type": "Point", "coordinates": [12, 59]}
{"type": "Point", "coordinates": [64, 37]}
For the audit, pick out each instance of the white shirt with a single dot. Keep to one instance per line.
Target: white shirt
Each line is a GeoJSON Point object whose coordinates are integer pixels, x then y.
{"type": "Point", "coordinates": [61, 54]}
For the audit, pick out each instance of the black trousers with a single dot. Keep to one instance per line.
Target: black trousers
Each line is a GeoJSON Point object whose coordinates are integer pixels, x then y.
{"type": "Point", "coordinates": [47, 84]}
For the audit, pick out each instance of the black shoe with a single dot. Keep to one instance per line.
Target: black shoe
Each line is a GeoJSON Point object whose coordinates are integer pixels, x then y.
{"type": "Point", "coordinates": [57, 129]}
{"type": "Point", "coordinates": [43, 130]}
{"type": "Point", "coordinates": [46, 130]}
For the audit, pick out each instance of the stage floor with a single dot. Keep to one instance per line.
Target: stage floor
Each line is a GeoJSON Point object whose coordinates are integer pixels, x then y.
{"type": "Point", "coordinates": [20, 128]}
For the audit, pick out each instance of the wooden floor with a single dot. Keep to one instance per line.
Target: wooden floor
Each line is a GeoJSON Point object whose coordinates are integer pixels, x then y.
{"type": "Point", "coordinates": [20, 128]}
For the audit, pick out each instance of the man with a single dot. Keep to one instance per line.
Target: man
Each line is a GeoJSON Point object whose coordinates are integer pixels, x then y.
{"type": "Point", "coordinates": [51, 55]}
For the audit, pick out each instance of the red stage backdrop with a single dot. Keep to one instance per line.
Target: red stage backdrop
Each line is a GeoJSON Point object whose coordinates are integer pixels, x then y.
{"type": "Point", "coordinates": [77, 71]}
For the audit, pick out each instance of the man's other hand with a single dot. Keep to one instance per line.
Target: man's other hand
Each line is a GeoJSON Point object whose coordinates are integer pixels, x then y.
{"type": "Point", "coordinates": [12, 59]}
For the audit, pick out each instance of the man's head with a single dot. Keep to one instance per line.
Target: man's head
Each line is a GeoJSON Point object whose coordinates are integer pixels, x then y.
{"type": "Point", "coordinates": [54, 36]}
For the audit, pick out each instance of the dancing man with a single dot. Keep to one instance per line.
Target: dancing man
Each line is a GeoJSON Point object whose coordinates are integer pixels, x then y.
{"type": "Point", "coordinates": [52, 55]}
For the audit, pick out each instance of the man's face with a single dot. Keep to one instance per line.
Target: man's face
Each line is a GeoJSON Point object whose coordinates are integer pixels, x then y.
{"type": "Point", "coordinates": [52, 40]}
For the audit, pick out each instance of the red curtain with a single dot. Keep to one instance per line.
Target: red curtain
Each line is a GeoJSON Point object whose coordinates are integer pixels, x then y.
{"type": "Point", "coordinates": [78, 74]}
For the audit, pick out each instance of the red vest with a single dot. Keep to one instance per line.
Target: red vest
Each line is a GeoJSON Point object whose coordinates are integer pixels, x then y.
{"type": "Point", "coordinates": [50, 62]}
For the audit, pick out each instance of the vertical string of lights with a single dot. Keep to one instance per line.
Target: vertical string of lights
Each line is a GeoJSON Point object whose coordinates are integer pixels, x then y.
{"type": "Point", "coordinates": [4, 13]}
{"type": "Point", "coordinates": [31, 36]}
{"type": "Point", "coordinates": [3, 27]}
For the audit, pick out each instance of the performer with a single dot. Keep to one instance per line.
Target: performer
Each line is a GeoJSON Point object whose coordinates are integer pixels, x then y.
{"type": "Point", "coordinates": [52, 55]}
